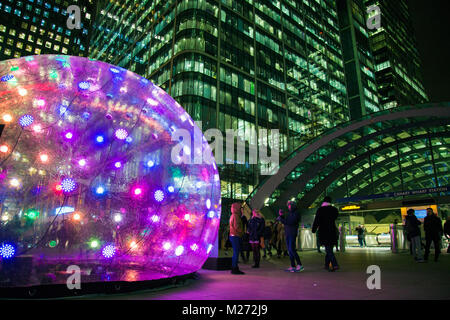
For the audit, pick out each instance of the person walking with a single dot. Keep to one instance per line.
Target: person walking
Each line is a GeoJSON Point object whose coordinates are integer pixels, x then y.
{"type": "Point", "coordinates": [236, 233]}
{"type": "Point", "coordinates": [413, 234]}
{"type": "Point", "coordinates": [256, 227]}
{"type": "Point", "coordinates": [325, 224]}
{"type": "Point", "coordinates": [291, 222]}
{"type": "Point", "coordinates": [267, 239]}
{"type": "Point", "coordinates": [361, 235]}
{"type": "Point", "coordinates": [245, 244]}
{"type": "Point", "coordinates": [447, 232]}
{"type": "Point", "coordinates": [432, 225]}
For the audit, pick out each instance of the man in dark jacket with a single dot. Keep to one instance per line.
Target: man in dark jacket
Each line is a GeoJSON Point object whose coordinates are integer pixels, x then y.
{"type": "Point", "coordinates": [432, 225]}
{"type": "Point", "coordinates": [291, 222]}
{"type": "Point", "coordinates": [413, 234]}
{"type": "Point", "coordinates": [325, 221]}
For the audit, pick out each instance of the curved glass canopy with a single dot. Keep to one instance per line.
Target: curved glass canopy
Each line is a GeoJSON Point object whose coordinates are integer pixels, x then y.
{"type": "Point", "coordinates": [390, 151]}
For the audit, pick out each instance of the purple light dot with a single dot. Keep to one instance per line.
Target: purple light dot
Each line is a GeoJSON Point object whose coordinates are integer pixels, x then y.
{"type": "Point", "coordinates": [69, 135]}
{"type": "Point", "coordinates": [109, 251]}
{"type": "Point", "coordinates": [68, 185]}
{"type": "Point", "coordinates": [159, 195]}
{"type": "Point", "coordinates": [118, 164]}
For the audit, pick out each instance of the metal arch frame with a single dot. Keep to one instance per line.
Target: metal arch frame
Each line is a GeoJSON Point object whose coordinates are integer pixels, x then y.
{"type": "Point", "coordinates": [270, 185]}
{"type": "Point", "coordinates": [339, 190]}
{"type": "Point", "coordinates": [311, 195]}
{"type": "Point", "coordinates": [382, 180]}
{"type": "Point", "coordinates": [300, 182]}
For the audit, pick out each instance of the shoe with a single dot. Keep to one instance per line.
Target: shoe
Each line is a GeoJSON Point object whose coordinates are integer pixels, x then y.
{"type": "Point", "coordinates": [336, 268]}
{"type": "Point", "coordinates": [421, 261]}
{"type": "Point", "coordinates": [255, 266]}
{"type": "Point", "coordinates": [290, 269]}
{"type": "Point", "coordinates": [299, 268]}
{"type": "Point", "coordinates": [236, 271]}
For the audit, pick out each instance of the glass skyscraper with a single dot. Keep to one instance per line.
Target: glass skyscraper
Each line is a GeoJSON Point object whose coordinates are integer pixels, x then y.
{"type": "Point", "coordinates": [359, 66]}
{"type": "Point", "coordinates": [242, 65]}
{"type": "Point", "coordinates": [398, 65]}
{"type": "Point", "coordinates": [31, 27]}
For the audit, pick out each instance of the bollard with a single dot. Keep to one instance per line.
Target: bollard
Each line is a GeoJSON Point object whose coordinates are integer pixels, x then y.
{"type": "Point", "coordinates": [342, 239]}
{"type": "Point", "coordinates": [394, 238]}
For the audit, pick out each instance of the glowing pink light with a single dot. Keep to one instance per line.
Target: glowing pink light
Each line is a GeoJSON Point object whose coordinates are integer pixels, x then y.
{"type": "Point", "coordinates": [37, 128]}
{"type": "Point", "coordinates": [187, 216]}
{"type": "Point", "coordinates": [40, 102]}
{"type": "Point", "coordinates": [137, 191]}
{"type": "Point", "coordinates": [167, 245]}
{"type": "Point", "coordinates": [69, 135]}
{"type": "Point", "coordinates": [118, 164]}
{"type": "Point", "coordinates": [82, 162]}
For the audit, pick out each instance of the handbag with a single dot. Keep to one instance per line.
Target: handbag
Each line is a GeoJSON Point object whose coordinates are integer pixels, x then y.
{"type": "Point", "coordinates": [261, 242]}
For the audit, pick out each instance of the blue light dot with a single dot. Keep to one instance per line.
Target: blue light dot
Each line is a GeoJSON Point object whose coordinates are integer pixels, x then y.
{"type": "Point", "coordinates": [84, 85]}
{"type": "Point", "coordinates": [26, 120]}
{"type": "Point", "coordinates": [100, 139]}
{"type": "Point", "coordinates": [7, 251]}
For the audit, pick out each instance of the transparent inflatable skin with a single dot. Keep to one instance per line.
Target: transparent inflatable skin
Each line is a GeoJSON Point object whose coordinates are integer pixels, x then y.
{"type": "Point", "coordinates": [87, 176]}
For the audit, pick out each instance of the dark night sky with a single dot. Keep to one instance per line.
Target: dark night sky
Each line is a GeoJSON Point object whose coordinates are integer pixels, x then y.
{"type": "Point", "coordinates": [431, 20]}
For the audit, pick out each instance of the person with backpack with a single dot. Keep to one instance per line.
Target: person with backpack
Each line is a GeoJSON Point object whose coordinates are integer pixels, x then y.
{"type": "Point", "coordinates": [413, 234]}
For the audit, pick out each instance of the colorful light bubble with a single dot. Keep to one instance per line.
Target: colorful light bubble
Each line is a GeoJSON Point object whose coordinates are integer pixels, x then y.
{"type": "Point", "coordinates": [118, 164]}
{"type": "Point", "coordinates": [167, 246]}
{"type": "Point", "coordinates": [23, 92]}
{"type": "Point", "coordinates": [4, 148]}
{"type": "Point", "coordinates": [128, 209]}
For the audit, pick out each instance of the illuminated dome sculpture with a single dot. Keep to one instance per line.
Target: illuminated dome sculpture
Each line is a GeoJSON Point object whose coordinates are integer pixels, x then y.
{"type": "Point", "coordinates": [87, 176]}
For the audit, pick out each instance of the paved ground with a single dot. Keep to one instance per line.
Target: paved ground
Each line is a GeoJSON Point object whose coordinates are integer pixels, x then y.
{"type": "Point", "coordinates": [401, 278]}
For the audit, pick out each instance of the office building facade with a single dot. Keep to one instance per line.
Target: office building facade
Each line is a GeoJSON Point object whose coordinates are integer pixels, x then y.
{"type": "Point", "coordinates": [242, 65]}
{"type": "Point", "coordinates": [30, 27]}
{"type": "Point", "coordinates": [397, 60]}
{"type": "Point", "coordinates": [359, 65]}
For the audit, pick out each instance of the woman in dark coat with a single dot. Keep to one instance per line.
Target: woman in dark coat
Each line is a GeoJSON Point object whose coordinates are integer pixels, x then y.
{"type": "Point", "coordinates": [325, 222]}
{"type": "Point", "coordinates": [256, 227]}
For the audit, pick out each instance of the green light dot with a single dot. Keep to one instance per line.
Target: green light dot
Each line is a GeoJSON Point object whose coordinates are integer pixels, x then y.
{"type": "Point", "coordinates": [52, 244]}
{"type": "Point", "coordinates": [53, 75]}
{"type": "Point", "coordinates": [14, 68]}
{"type": "Point", "coordinates": [94, 244]}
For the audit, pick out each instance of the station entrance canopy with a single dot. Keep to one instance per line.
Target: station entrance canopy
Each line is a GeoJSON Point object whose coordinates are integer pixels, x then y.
{"type": "Point", "coordinates": [391, 152]}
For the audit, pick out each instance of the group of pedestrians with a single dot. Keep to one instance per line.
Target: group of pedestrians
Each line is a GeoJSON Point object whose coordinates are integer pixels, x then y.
{"type": "Point", "coordinates": [432, 226]}
{"type": "Point", "coordinates": [258, 234]}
